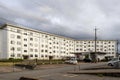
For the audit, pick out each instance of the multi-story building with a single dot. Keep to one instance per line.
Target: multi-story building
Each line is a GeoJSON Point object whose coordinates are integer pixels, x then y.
{"type": "Point", "coordinates": [104, 48]}
{"type": "Point", "coordinates": [26, 43]}
{"type": "Point", "coordinates": [21, 42]}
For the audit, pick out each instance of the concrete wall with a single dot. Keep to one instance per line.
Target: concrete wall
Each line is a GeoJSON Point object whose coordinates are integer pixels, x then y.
{"type": "Point", "coordinates": [0, 43]}
{"type": "Point", "coordinates": [3, 44]}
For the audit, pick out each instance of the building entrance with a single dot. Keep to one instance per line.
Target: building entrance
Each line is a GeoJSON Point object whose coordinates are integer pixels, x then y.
{"type": "Point", "coordinates": [25, 56]}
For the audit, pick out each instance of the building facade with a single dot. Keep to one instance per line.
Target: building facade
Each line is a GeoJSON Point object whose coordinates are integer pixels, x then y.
{"type": "Point", "coordinates": [26, 43]}
{"type": "Point", "coordinates": [105, 48]}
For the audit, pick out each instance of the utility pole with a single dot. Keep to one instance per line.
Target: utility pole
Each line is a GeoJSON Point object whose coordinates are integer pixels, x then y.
{"type": "Point", "coordinates": [117, 48]}
{"type": "Point", "coordinates": [13, 58]}
{"type": "Point", "coordinates": [95, 44]}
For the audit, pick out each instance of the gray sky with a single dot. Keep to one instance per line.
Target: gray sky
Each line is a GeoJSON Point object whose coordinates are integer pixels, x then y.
{"type": "Point", "coordinates": [72, 18]}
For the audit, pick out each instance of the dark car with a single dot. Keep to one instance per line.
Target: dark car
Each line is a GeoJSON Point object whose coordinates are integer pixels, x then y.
{"type": "Point", "coordinates": [87, 60]}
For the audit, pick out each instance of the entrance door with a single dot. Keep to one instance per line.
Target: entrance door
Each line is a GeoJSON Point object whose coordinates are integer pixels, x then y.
{"type": "Point", "coordinates": [25, 56]}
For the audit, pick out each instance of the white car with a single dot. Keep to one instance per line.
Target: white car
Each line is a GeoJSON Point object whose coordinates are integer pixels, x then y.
{"type": "Point", "coordinates": [71, 61]}
{"type": "Point", "coordinates": [114, 60]}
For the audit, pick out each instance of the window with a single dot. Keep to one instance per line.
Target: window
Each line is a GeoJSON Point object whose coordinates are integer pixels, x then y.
{"type": "Point", "coordinates": [36, 50]}
{"type": "Point", "coordinates": [18, 43]}
{"type": "Point", "coordinates": [12, 55]}
{"type": "Point", "coordinates": [53, 51]}
{"type": "Point", "coordinates": [36, 55]}
{"type": "Point", "coordinates": [46, 56]}
{"type": "Point", "coordinates": [80, 49]}
{"type": "Point", "coordinates": [12, 36]}
{"type": "Point", "coordinates": [42, 55]}
{"type": "Point", "coordinates": [36, 39]}
{"type": "Point", "coordinates": [109, 42]}
{"type": "Point", "coordinates": [77, 49]}
{"type": "Point", "coordinates": [12, 42]}
{"type": "Point", "coordinates": [25, 39]}
{"type": "Point", "coordinates": [88, 45]}
{"type": "Point", "coordinates": [105, 50]}
{"type": "Point", "coordinates": [18, 31]}
{"type": "Point", "coordinates": [25, 33]}
{"type": "Point", "coordinates": [46, 46]}
{"type": "Point", "coordinates": [42, 45]}
{"type": "Point", "coordinates": [18, 37]}
{"type": "Point", "coordinates": [31, 39]}
{"type": "Point", "coordinates": [105, 43]}
{"type": "Point", "coordinates": [54, 38]}
{"type": "Point", "coordinates": [113, 49]}
{"type": "Point", "coordinates": [25, 45]}
{"type": "Point", "coordinates": [31, 33]}
{"type": "Point", "coordinates": [18, 55]}
{"type": "Point", "coordinates": [112, 45]}
{"type": "Point", "coordinates": [36, 45]}
{"type": "Point", "coordinates": [12, 48]}
{"type": "Point", "coordinates": [18, 49]}
{"type": "Point", "coordinates": [77, 45]}
{"type": "Point", "coordinates": [31, 55]}
{"type": "Point", "coordinates": [46, 36]}
{"type": "Point", "coordinates": [31, 50]}
{"type": "Point", "coordinates": [42, 50]}
{"type": "Point", "coordinates": [25, 50]}
{"type": "Point", "coordinates": [46, 51]}
{"type": "Point", "coordinates": [97, 45]}
{"type": "Point", "coordinates": [31, 44]}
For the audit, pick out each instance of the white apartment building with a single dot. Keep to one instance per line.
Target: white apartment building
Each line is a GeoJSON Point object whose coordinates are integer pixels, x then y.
{"type": "Point", "coordinates": [26, 43]}
{"type": "Point", "coordinates": [33, 44]}
{"type": "Point", "coordinates": [107, 48]}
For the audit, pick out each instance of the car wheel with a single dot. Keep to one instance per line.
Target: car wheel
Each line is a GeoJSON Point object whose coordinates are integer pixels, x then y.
{"type": "Point", "coordinates": [110, 64]}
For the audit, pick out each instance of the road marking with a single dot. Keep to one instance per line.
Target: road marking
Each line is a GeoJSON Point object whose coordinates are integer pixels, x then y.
{"type": "Point", "coordinates": [70, 75]}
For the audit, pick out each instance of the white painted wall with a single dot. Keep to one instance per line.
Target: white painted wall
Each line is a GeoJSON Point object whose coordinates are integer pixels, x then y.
{"type": "Point", "coordinates": [3, 44]}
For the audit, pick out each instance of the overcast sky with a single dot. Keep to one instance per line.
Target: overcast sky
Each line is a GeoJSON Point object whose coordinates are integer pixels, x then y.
{"type": "Point", "coordinates": [72, 18]}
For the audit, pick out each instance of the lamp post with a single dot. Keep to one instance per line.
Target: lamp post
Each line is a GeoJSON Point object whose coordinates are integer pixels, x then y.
{"type": "Point", "coordinates": [13, 57]}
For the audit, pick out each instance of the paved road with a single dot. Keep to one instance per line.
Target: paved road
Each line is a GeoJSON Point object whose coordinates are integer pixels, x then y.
{"type": "Point", "coordinates": [55, 74]}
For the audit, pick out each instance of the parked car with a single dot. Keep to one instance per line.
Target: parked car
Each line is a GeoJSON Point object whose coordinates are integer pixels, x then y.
{"type": "Point", "coordinates": [87, 60]}
{"type": "Point", "coordinates": [113, 61]}
{"type": "Point", "coordinates": [71, 61]}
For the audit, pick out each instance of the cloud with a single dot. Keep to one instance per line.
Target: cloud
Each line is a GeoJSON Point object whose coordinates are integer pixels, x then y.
{"type": "Point", "coordinates": [76, 19]}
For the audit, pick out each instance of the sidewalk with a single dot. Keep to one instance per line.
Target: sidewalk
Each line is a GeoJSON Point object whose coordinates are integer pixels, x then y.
{"type": "Point", "coordinates": [5, 69]}
{"type": "Point", "coordinates": [96, 71]}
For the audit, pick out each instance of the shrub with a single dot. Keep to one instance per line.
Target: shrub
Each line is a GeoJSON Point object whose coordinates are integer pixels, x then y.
{"type": "Point", "coordinates": [11, 60]}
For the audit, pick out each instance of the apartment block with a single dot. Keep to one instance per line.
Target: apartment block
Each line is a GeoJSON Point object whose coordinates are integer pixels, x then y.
{"type": "Point", "coordinates": [26, 43]}
{"type": "Point", "coordinates": [106, 48]}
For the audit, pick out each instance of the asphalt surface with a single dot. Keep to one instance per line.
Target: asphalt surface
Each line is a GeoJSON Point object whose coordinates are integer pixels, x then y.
{"type": "Point", "coordinates": [57, 73]}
